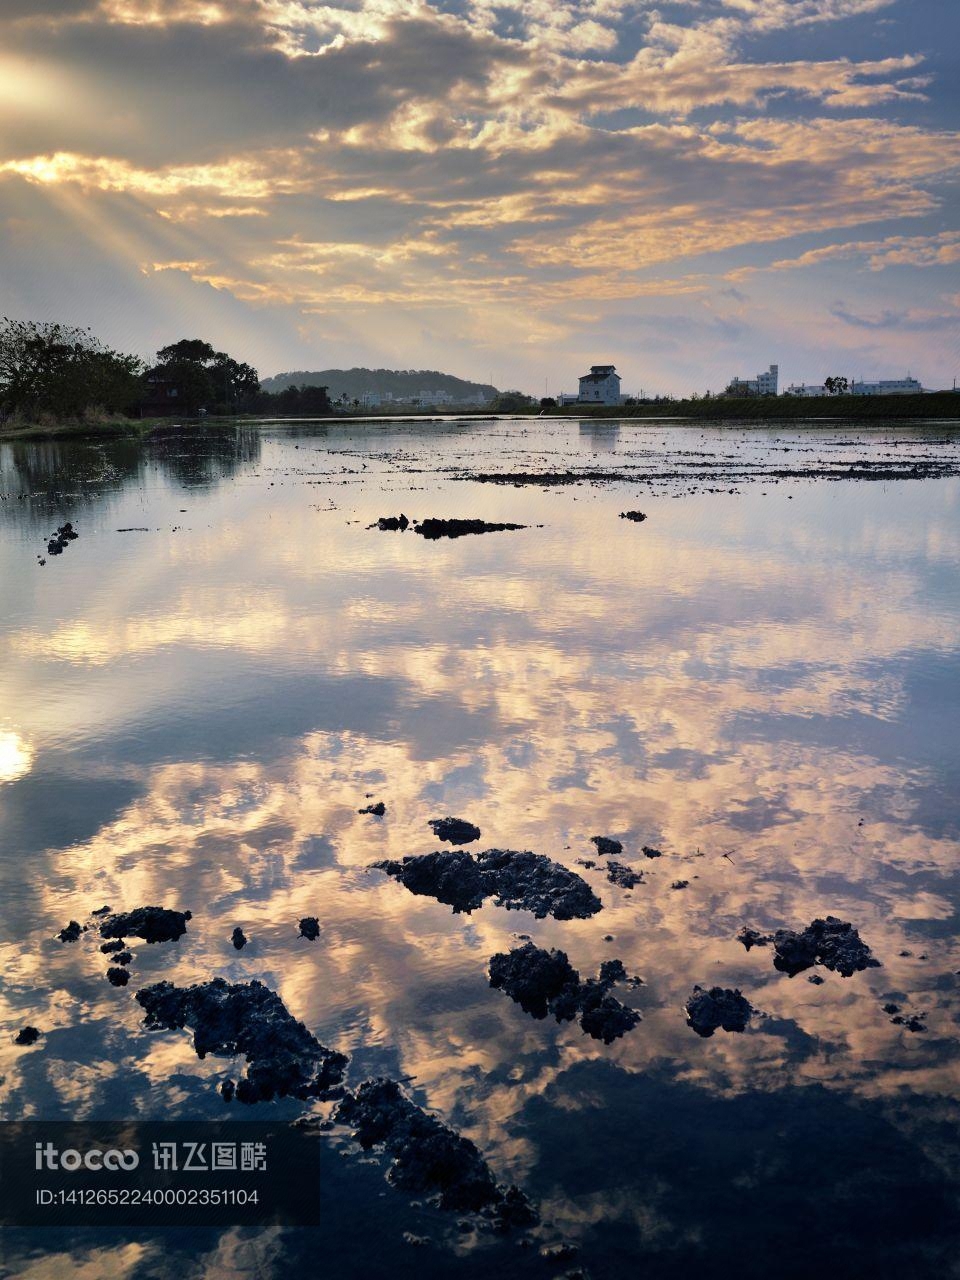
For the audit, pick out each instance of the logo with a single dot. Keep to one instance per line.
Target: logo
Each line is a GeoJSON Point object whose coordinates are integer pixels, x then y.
{"type": "Point", "coordinates": [113, 1160]}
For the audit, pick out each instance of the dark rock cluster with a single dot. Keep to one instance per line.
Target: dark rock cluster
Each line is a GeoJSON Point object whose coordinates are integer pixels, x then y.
{"type": "Point", "coordinates": [834, 943]}
{"type": "Point", "coordinates": [152, 924]}
{"type": "Point", "coordinates": [454, 830]}
{"type": "Point", "coordinates": [717, 1008]}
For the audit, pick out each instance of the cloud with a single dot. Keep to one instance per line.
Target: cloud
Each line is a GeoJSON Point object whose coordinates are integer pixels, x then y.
{"type": "Point", "coordinates": [917, 321]}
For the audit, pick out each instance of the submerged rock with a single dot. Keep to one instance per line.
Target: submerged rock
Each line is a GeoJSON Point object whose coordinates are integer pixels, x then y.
{"type": "Point", "coordinates": [619, 873]}
{"type": "Point", "coordinates": [71, 933]}
{"type": "Point", "coordinates": [247, 1019]}
{"type": "Point", "coordinates": [310, 928]}
{"type": "Point", "coordinates": [543, 982]}
{"type": "Point", "coordinates": [606, 845]}
{"type": "Point", "coordinates": [718, 1007]}
{"type": "Point", "coordinates": [378, 809]}
{"type": "Point", "coordinates": [238, 938]}
{"type": "Point", "coordinates": [428, 1157]}
{"type": "Point", "coordinates": [153, 924]}
{"type": "Point", "coordinates": [27, 1035]}
{"type": "Point", "coordinates": [636, 516]}
{"type": "Point", "coordinates": [518, 881]}
{"type": "Point", "coordinates": [454, 830]}
{"type": "Point", "coordinates": [455, 528]}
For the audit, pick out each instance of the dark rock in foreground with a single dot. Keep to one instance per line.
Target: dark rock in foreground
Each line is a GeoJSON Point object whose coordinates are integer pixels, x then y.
{"type": "Point", "coordinates": [454, 830]}
{"type": "Point", "coordinates": [428, 1157]}
{"type": "Point", "coordinates": [454, 528]}
{"type": "Point", "coordinates": [831, 942]}
{"type": "Point", "coordinates": [238, 938]}
{"type": "Point", "coordinates": [117, 977]}
{"type": "Point", "coordinates": [310, 928]}
{"type": "Point", "coordinates": [636, 516]}
{"type": "Point", "coordinates": [718, 1007]}
{"type": "Point", "coordinates": [518, 881]}
{"type": "Point", "coordinates": [71, 933]}
{"type": "Point", "coordinates": [153, 924]}
{"type": "Point", "coordinates": [283, 1058]}
{"type": "Point", "coordinates": [606, 845]}
{"type": "Point", "coordinates": [543, 982]}
{"type": "Point", "coordinates": [378, 809]}
{"type": "Point", "coordinates": [27, 1035]}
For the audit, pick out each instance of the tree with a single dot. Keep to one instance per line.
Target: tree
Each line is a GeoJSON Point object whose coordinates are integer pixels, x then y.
{"type": "Point", "coordinates": [512, 402]}
{"type": "Point", "coordinates": [547, 402]}
{"type": "Point", "coordinates": [836, 386]}
{"type": "Point", "coordinates": [62, 370]}
{"type": "Point", "coordinates": [204, 377]}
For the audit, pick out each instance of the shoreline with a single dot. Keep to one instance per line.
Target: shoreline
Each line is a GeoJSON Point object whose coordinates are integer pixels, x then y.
{"type": "Point", "coordinates": [940, 410]}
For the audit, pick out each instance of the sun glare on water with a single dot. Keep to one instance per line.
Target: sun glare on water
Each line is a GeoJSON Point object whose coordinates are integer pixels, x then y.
{"type": "Point", "coordinates": [16, 757]}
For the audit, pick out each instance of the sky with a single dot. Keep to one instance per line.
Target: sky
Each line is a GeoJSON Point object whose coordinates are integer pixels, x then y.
{"type": "Point", "coordinates": [509, 192]}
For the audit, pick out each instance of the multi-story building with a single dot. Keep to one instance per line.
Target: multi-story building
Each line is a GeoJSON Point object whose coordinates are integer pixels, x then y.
{"type": "Point", "coordinates": [600, 386]}
{"type": "Point", "coordinates": [764, 384]}
{"type": "Point", "coordinates": [890, 387]}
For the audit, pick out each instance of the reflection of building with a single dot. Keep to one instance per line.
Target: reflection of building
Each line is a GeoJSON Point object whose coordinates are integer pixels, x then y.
{"type": "Point", "coordinates": [600, 433]}
{"type": "Point", "coordinates": [764, 384]}
{"type": "Point", "coordinates": [892, 387]}
{"type": "Point", "coordinates": [600, 386]}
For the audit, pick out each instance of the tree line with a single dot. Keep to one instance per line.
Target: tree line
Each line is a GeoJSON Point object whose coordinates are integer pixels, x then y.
{"type": "Point", "coordinates": [64, 373]}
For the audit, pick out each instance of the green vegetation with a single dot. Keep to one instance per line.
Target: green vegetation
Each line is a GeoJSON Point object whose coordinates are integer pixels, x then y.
{"type": "Point", "coordinates": [941, 404]}
{"type": "Point", "coordinates": [402, 384]}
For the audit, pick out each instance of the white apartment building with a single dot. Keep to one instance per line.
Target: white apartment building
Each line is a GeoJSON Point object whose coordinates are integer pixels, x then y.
{"type": "Point", "coordinates": [764, 384]}
{"type": "Point", "coordinates": [890, 387]}
{"type": "Point", "coordinates": [600, 386]}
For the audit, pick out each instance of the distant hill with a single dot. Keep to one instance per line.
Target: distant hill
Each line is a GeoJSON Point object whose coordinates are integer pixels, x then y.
{"type": "Point", "coordinates": [401, 384]}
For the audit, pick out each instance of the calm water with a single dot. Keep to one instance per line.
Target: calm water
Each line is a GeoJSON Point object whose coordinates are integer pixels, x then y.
{"type": "Point", "coordinates": [763, 683]}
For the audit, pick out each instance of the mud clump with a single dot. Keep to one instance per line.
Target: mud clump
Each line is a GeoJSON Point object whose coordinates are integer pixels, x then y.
{"type": "Point", "coordinates": [117, 977]}
{"type": "Point", "coordinates": [454, 830]}
{"type": "Point", "coordinates": [606, 845]}
{"type": "Point", "coordinates": [454, 528]}
{"type": "Point", "coordinates": [27, 1035]}
{"type": "Point", "coordinates": [392, 524]}
{"type": "Point", "coordinates": [517, 881]}
{"type": "Point", "coordinates": [152, 924]}
{"type": "Point", "coordinates": [378, 809]}
{"type": "Point", "coordinates": [239, 938]}
{"type": "Point", "coordinates": [428, 1157]}
{"type": "Point", "coordinates": [111, 947]}
{"type": "Point", "coordinates": [61, 539]}
{"type": "Point", "coordinates": [707, 1011]}
{"type": "Point", "coordinates": [636, 516]}
{"type": "Point", "coordinates": [649, 852]}
{"type": "Point", "coordinates": [624, 877]}
{"type": "Point", "coordinates": [284, 1059]}
{"type": "Point", "coordinates": [71, 933]}
{"type": "Point", "coordinates": [309, 928]}
{"type": "Point", "coordinates": [834, 943]}
{"type": "Point", "coordinates": [543, 982]}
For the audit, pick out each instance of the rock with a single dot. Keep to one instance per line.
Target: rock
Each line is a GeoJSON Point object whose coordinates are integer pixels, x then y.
{"type": "Point", "coordinates": [606, 845]}
{"type": "Point", "coordinates": [454, 830]}
{"type": "Point", "coordinates": [116, 944]}
{"type": "Point", "coordinates": [284, 1059]}
{"type": "Point", "coordinates": [27, 1035]}
{"type": "Point", "coordinates": [518, 881]}
{"type": "Point", "coordinates": [227, 1090]}
{"type": "Point", "coordinates": [101, 911]}
{"type": "Point", "coordinates": [378, 809]}
{"type": "Point", "coordinates": [619, 873]}
{"type": "Point", "coordinates": [393, 524]}
{"type": "Point", "coordinates": [71, 933]}
{"type": "Point", "coordinates": [416, 1241]}
{"type": "Point", "coordinates": [67, 533]}
{"type": "Point", "coordinates": [680, 884]}
{"type": "Point", "coordinates": [891, 1008]}
{"type": "Point", "coordinates": [831, 942]}
{"type": "Point", "coordinates": [816, 980]}
{"type": "Point", "coordinates": [563, 1252]}
{"type": "Point", "coordinates": [750, 938]}
{"type": "Point", "coordinates": [238, 938]}
{"type": "Point", "coordinates": [118, 977]}
{"type": "Point", "coordinates": [310, 928]}
{"type": "Point", "coordinates": [649, 852]}
{"type": "Point", "coordinates": [153, 924]}
{"type": "Point", "coordinates": [636, 516]}
{"type": "Point", "coordinates": [428, 1157]}
{"type": "Point", "coordinates": [543, 982]}
{"type": "Point", "coordinates": [123, 957]}
{"type": "Point", "coordinates": [456, 528]}
{"type": "Point", "coordinates": [718, 1007]}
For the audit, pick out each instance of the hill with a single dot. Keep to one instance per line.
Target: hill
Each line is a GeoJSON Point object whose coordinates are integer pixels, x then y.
{"type": "Point", "coordinates": [401, 384]}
